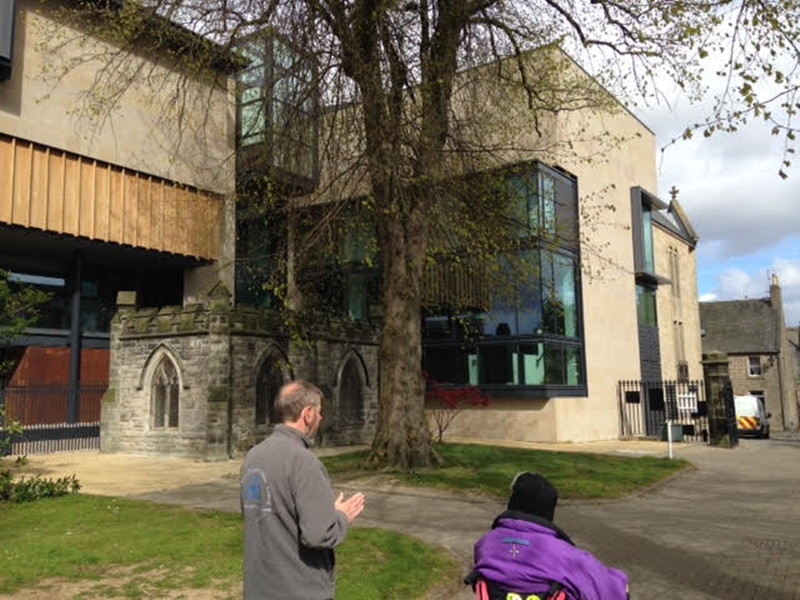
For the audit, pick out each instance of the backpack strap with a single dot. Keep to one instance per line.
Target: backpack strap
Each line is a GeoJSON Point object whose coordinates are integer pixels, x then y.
{"type": "Point", "coordinates": [481, 590]}
{"type": "Point", "coordinates": [556, 592]}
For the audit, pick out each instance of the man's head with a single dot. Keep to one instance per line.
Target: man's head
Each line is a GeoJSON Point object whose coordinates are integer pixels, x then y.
{"type": "Point", "coordinates": [532, 493]}
{"type": "Point", "coordinates": [299, 405]}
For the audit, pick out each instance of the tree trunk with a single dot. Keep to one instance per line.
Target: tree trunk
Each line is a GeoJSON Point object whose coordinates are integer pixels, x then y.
{"type": "Point", "coordinates": [402, 438]}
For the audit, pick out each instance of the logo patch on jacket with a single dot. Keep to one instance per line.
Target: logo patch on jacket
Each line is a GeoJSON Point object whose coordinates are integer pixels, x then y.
{"type": "Point", "coordinates": [256, 495]}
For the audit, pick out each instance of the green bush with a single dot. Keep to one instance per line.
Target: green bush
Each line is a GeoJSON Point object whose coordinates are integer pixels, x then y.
{"type": "Point", "coordinates": [35, 488]}
{"type": "Point", "coordinates": [9, 430]}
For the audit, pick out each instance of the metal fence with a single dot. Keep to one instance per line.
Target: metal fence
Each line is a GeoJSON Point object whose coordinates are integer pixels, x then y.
{"type": "Point", "coordinates": [43, 412]}
{"type": "Point", "coordinates": [645, 406]}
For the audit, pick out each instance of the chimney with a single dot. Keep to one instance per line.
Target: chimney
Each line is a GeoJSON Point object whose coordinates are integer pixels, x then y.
{"type": "Point", "coordinates": [775, 296]}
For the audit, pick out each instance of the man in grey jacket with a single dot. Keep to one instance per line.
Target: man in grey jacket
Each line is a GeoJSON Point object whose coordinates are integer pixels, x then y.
{"type": "Point", "coordinates": [292, 522]}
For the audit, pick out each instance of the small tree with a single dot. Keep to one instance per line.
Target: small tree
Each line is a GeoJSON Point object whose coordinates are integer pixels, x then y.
{"type": "Point", "coordinates": [9, 429]}
{"type": "Point", "coordinates": [449, 401]}
{"type": "Point", "coordinates": [19, 308]}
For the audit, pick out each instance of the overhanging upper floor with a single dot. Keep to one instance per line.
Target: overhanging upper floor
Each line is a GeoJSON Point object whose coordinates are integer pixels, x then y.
{"type": "Point", "coordinates": [60, 192]}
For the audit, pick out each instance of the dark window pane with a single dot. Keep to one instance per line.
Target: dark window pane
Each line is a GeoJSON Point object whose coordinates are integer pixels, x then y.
{"type": "Point", "coordinates": [173, 404]}
{"type": "Point", "coordinates": [351, 398]}
{"type": "Point", "coordinates": [497, 364]}
{"type": "Point", "coordinates": [566, 213]}
{"type": "Point", "coordinates": [357, 297]}
{"type": "Point", "coordinates": [646, 306]}
{"type": "Point", "coordinates": [555, 371]}
{"type": "Point", "coordinates": [269, 382]}
{"type": "Point", "coordinates": [524, 205]}
{"type": "Point", "coordinates": [447, 364]}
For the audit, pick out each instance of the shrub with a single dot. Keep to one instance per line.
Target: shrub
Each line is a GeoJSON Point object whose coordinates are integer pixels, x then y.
{"type": "Point", "coordinates": [35, 488]}
{"type": "Point", "coordinates": [9, 429]}
{"type": "Point", "coordinates": [448, 402]}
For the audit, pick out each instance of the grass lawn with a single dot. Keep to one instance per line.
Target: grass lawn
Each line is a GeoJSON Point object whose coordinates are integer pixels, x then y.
{"type": "Point", "coordinates": [490, 469]}
{"type": "Point", "coordinates": [133, 549]}
{"type": "Point", "coordinates": [111, 547]}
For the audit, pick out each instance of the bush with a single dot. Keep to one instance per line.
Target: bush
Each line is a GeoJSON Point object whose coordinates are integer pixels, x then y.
{"type": "Point", "coordinates": [449, 401]}
{"type": "Point", "coordinates": [9, 430]}
{"type": "Point", "coordinates": [35, 488]}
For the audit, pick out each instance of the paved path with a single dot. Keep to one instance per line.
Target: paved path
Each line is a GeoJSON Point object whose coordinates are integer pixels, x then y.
{"type": "Point", "coordinates": [728, 529]}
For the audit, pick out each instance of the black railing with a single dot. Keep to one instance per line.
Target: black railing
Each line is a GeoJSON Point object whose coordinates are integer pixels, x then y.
{"type": "Point", "coordinates": [43, 412]}
{"type": "Point", "coordinates": [645, 407]}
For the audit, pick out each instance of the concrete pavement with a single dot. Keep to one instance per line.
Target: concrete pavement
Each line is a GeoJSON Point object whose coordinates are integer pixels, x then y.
{"type": "Point", "coordinates": [728, 529]}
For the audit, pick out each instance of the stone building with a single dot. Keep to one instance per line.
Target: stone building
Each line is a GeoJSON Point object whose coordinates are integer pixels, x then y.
{"type": "Point", "coordinates": [753, 334]}
{"type": "Point", "coordinates": [794, 344]}
{"type": "Point", "coordinates": [199, 380]}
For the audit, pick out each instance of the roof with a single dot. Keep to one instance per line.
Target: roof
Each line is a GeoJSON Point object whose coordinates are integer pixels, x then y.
{"type": "Point", "coordinates": [161, 30]}
{"type": "Point", "coordinates": [740, 327]}
{"type": "Point", "coordinates": [674, 219]}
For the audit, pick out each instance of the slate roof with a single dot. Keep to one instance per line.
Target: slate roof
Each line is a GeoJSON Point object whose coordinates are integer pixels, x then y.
{"type": "Point", "coordinates": [740, 327]}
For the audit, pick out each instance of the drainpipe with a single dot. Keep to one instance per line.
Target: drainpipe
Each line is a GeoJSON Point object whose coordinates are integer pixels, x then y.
{"type": "Point", "coordinates": [73, 399]}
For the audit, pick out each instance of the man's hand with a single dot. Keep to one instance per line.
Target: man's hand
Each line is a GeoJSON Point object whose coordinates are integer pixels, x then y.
{"type": "Point", "coordinates": [351, 507]}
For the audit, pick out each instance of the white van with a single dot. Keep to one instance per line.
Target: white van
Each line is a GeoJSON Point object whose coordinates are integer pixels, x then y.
{"type": "Point", "coordinates": [751, 416]}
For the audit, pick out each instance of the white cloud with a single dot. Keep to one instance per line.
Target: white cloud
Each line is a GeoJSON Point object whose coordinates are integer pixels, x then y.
{"type": "Point", "coordinates": [734, 197]}
{"type": "Point", "coordinates": [747, 217]}
{"type": "Point", "coordinates": [737, 284]}
{"type": "Point", "coordinates": [729, 183]}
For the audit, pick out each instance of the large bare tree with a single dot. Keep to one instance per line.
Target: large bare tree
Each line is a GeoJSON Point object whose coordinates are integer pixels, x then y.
{"type": "Point", "coordinates": [397, 67]}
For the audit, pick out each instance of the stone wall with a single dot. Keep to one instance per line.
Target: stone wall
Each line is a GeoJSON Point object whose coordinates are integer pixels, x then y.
{"type": "Point", "coordinates": [218, 352]}
{"type": "Point", "coordinates": [768, 383]}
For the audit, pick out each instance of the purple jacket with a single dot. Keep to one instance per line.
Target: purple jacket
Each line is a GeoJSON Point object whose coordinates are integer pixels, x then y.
{"type": "Point", "coordinates": [525, 555]}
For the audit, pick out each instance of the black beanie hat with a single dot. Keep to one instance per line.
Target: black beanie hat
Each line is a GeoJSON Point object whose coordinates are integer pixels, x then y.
{"type": "Point", "coordinates": [532, 493]}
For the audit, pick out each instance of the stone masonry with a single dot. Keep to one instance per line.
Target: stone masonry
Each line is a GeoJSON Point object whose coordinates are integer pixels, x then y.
{"type": "Point", "coordinates": [218, 352]}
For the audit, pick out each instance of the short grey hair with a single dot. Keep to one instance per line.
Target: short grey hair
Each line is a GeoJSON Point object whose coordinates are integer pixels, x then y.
{"type": "Point", "coordinates": [294, 396]}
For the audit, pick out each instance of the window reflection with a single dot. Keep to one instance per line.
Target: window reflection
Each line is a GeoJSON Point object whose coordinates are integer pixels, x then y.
{"type": "Point", "coordinates": [512, 364]}
{"type": "Point", "coordinates": [531, 335]}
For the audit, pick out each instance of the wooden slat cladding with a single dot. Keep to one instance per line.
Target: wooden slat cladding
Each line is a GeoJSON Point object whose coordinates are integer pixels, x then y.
{"type": "Point", "coordinates": [57, 191]}
{"type": "Point", "coordinates": [456, 285]}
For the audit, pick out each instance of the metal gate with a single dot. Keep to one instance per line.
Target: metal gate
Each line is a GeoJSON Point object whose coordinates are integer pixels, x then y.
{"type": "Point", "coordinates": [42, 410]}
{"type": "Point", "coordinates": [645, 405]}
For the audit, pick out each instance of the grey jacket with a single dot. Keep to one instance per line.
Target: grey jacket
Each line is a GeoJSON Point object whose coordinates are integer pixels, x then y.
{"type": "Point", "coordinates": [290, 525]}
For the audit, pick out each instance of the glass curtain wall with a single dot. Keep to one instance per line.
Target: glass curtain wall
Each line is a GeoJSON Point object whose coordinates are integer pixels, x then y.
{"type": "Point", "coordinates": [531, 335]}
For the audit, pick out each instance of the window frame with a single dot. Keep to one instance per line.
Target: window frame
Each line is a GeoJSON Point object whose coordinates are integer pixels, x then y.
{"type": "Point", "coordinates": [166, 385]}
{"type": "Point", "coordinates": [750, 370]}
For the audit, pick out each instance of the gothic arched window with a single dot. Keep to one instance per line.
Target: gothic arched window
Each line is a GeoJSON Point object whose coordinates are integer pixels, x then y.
{"type": "Point", "coordinates": [351, 397]}
{"type": "Point", "coordinates": [269, 382]}
{"type": "Point", "coordinates": [164, 391]}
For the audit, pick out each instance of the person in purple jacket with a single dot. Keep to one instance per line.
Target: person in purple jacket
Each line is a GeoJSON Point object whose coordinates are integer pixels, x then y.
{"type": "Point", "coordinates": [526, 556]}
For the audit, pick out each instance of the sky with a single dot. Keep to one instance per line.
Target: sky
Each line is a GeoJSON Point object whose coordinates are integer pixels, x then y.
{"type": "Point", "coordinates": [747, 217]}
